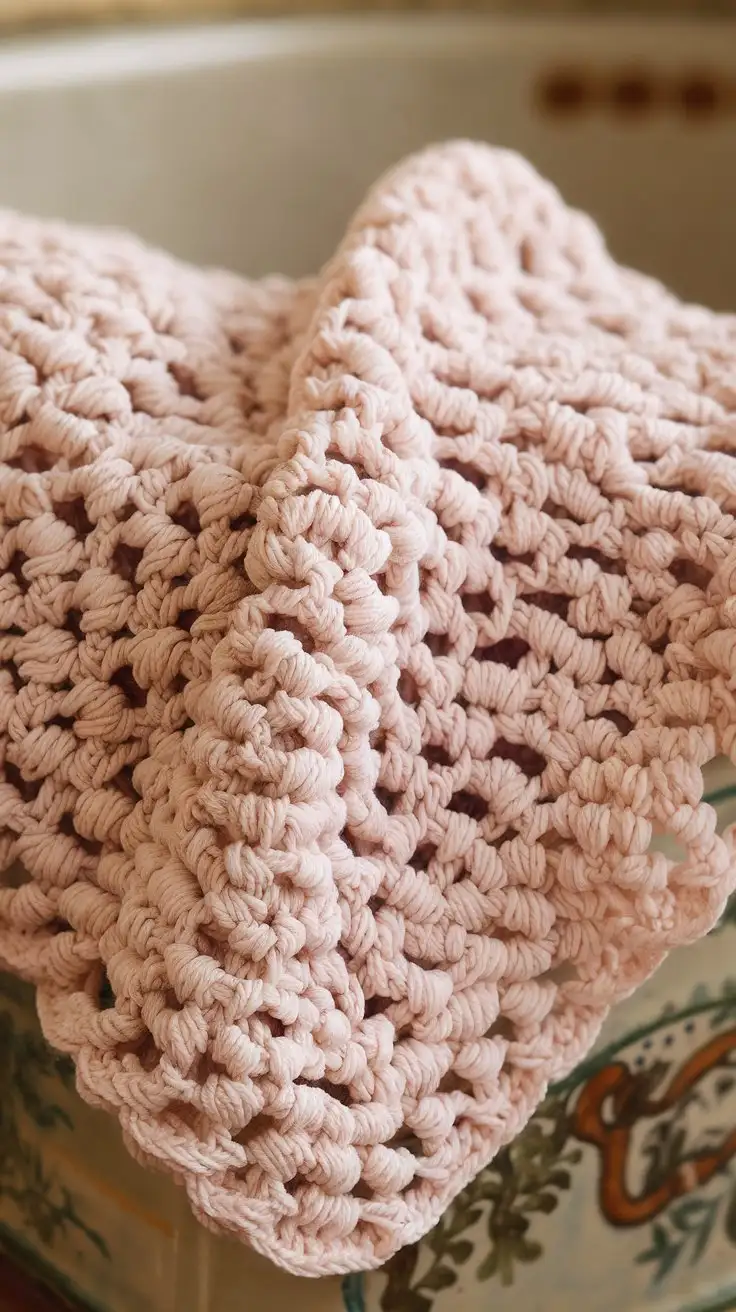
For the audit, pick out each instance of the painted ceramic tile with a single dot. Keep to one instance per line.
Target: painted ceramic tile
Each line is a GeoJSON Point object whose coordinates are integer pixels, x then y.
{"type": "Point", "coordinates": [620, 1194]}
{"type": "Point", "coordinates": [76, 1209]}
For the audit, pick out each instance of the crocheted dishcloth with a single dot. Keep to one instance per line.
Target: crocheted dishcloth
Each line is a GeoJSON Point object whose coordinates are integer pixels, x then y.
{"type": "Point", "coordinates": [357, 636]}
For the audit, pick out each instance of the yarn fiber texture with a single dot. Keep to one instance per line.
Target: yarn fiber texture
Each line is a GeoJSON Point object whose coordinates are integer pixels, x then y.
{"type": "Point", "coordinates": [356, 638]}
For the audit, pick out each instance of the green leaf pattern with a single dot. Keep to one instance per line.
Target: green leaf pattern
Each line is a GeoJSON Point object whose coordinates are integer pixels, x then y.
{"type": "Point", "coordinates": [28, 1073]}
{"type": "Point", "coordinates": [490, 1227]}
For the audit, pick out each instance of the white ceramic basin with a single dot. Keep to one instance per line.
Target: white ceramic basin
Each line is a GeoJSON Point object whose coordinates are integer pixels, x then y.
{"type": "Point", "coordinates": [249, 144]}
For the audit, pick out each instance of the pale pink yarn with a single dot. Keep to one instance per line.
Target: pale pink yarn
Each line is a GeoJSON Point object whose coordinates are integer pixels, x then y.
{"type": "Point", "coordinates": [356, 639]}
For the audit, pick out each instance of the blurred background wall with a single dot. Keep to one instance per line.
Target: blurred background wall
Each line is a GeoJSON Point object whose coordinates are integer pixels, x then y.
{"type": "Point", "coordinates": [27, 14]}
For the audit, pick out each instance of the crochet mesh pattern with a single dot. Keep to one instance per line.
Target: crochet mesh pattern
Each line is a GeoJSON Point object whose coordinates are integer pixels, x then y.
{"type": "Point", "coordinates": [357, 636]}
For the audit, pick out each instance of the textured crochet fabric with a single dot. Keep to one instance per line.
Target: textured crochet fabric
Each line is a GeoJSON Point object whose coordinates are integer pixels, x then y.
{"type": "Point", "coordinates": [356, 639]}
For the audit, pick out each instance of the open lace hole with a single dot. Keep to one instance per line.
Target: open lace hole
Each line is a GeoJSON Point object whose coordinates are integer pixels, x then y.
{"type": "Point", "coordinates": [452, 1083]}
{"type": "Point", "coordinates": [285, 624]}
{"type": "Point", "coordinates": [185, 1116]}
{"type": "Point", "coordinates": [62, 722]}
{"type": "Point", "coordinates": [183, 376]}
{"type": "Point", "coordinates": [88, 845]}
{"type": "Point", "coordinates": [502, 1028]}
{"type": "Point", "coordinates": [73, 624]}
{"type": "Point", "coordinates": [377, 739]}
{"type": "Point", "coordinates": [607, 563]}
{"type": "Point", "coordinates": [617, 718]}
{"type": "Point", "coordinates": [566, 972]}
{"type": "Point", "coordinates": [186, 618]}
{"type": "Point", "coordinates": [477, 602]}
{"type": "Point", "coordinates": [551, 602]}
{"type": "Point", "coordinates": [363, 1190]}
{"type": "Point", "coordinates": [338, 1092]}
{"type": "Point", "coordinates": [688, 571]}
{"type": "Point", "coordinates": [425, 853]}
{"type": "Point", "coordinates": [531, 762]}
{"type": "Point", "coordinates": [507, 557]}
{"type": "Point", "coordinates": [15, 567]}
{"type": "Point", "coordinates": [376, 1006]}
{"type": "Point", "coordinates": [32, 460]}
{"type": "Point", "coordinates": [675, 489]}
{"type": "Point", "coordinates": [106, 997]}
{"type": "Point", "coordinates": [508, 652]}
{"type": "Point", "coordinates": [256, 1126]}
{"type": "Point", "coordinates": [387, 799]}
{"type": "Point", "coordinates": [59, 926]}
{"type": "Point", "coordinates": [465, 803]}
{"type": "Point", "coordinates": [125, 561]}
{"type": "Point", "coordinates": [467, 472]}
{"type": "Point", "coordinates": [123, 781]}
{"type": "Point", "coordinates": [556, 511]}
{"type": "Point", "coordinates": [438, 643]}
{"type": "Point", "coordinates": [241, 522]}
{"type": "Point", "coordinates": [124, 679]}
{"type": "Point", "coordinates": [74, 513]}
{"type": "Point", "coordinates": [407, 688]}
{"type": "Point", "coordinates": [407, 1139]}
{"type": "Point", "coordinates": [187, 518]}
{"type": "Point", "coordinates": [295, 1184]}
{"type": "Point", "coordinates": [27, 788]}
{"type": "Point", "coordinates": [16, 876]}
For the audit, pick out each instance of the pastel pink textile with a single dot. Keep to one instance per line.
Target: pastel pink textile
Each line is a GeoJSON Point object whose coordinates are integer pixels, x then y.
{"type": "Point", "coordinates": [356, 637]}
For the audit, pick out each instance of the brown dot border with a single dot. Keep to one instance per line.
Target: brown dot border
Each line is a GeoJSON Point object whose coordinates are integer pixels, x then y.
{"type": "Point", "coordinates": [633, 92]}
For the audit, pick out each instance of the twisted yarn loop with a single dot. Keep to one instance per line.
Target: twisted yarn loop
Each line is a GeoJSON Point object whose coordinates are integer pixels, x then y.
{"type": "Point", "coordinates": [357, 637]}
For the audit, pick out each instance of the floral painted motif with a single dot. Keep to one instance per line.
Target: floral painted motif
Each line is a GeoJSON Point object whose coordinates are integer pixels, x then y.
{"type": "Point", "coordinates": [44, 1205]}
{"type": "Point", "coordinates": [638, 1142]}
{"type": "Point", "coordinates": [629, 1099]}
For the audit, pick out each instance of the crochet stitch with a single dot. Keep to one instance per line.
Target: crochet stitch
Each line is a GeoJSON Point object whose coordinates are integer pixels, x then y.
{"type": "Point", "coordinates": [357, 636]}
